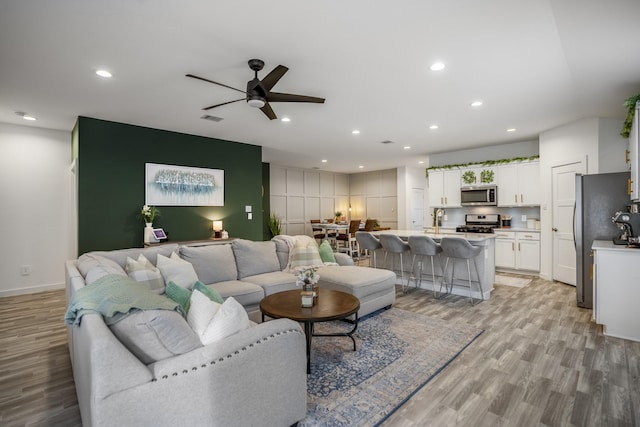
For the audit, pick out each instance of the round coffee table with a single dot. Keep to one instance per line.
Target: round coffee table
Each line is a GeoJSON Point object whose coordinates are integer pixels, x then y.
{"type": "Point", "coordinates": [330, 305]}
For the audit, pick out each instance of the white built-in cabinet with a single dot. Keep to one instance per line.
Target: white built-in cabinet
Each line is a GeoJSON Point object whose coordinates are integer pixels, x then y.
{"type": "Point", "coordinates": [519, 184]}
{"type": "Point", "coordinates": [444, 188]}
{"type": "Point", "coordinates": [518, 250]}
{"type": "Point", "coordinates": [616, 275]}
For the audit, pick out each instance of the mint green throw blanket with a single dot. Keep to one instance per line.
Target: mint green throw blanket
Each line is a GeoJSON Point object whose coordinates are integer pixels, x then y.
{"type": "Point", "coordinates": [113, 296]}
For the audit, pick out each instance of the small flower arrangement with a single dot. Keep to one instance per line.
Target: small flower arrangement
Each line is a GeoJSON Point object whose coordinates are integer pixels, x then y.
{"type": "Point", "coordinates": [307, 276]}
{"type": "Point", "coordinates": [148, 213]}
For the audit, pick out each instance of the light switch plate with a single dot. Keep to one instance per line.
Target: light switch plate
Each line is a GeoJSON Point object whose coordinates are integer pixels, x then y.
{"type": "Point", "coordinates": [247, 208]}
{"type": "Point", "coordinates": [524, 218]}
{"type": "Point", "coordinates": [249, 215]}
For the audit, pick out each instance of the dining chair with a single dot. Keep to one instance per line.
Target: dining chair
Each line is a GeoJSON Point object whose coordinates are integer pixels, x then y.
{"type": "Point", "coordinates": [369, 224]}
{"type": "Point", "coordinates": [349, 238]}
{"type": "Point", "coordinates": [318, 232]}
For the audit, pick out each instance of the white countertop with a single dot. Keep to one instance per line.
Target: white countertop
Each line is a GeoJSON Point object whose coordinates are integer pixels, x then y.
{"type": "Point", "coordinates": [607, 245]}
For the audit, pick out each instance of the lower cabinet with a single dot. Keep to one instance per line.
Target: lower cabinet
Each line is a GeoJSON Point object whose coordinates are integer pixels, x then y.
{"type": "Point", "coordinates": [518, 250]}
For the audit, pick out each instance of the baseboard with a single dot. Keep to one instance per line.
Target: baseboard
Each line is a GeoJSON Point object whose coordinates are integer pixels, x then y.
{"type": "Point", "coordinates": [31, 290]}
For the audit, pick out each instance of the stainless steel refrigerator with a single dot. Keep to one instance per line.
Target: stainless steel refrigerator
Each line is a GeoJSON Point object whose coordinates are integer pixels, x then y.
{"type": "Point", "coordinates": [598, 197]}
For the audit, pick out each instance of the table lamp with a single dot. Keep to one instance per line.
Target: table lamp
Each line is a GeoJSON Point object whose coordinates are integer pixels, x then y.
{"type": "Point", "coordinates": [217, 229]}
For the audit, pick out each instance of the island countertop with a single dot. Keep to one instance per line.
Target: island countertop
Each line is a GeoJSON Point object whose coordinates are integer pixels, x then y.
{"type": "Point", "coordinates": [474, 238]}
{"type": "Point", "coordinates": [484, 261]}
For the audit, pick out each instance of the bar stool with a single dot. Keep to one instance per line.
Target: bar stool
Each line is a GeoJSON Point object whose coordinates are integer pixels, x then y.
{"type": "Point", "coordinates": [368, 241]}
{"type": "Point", "coordinates": [456, 247]}
{"type": "Point", "coordinates": [424, 246]}
{"type": "Point", "coordinates": [394, 245]}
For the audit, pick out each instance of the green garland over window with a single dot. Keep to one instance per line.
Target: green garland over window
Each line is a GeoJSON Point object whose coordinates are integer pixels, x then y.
{"type": "Point", "coordinates": [484, 163]}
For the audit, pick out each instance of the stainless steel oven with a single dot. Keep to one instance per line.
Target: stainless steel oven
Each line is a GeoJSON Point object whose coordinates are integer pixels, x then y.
{"type": "Point", "coordinates": [486, 195]}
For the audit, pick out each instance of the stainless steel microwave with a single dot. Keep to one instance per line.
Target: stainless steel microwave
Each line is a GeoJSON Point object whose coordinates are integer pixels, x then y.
{"type": "Point", "coordinates": [486, 195]}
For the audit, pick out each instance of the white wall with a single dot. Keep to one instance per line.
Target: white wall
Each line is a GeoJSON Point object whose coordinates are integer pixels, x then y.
{"type": "Point", "coordinates": [594, 141]}
{"type": "Point", "coordinates": [299, 195]}
{"type": "Point", "coordinates": [37, 222]}
{"type": "Point", "coordinates": [375, 195]}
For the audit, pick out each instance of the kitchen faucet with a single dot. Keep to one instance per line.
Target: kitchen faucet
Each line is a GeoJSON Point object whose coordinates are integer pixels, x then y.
{"type": "Point", "coordinates": [438, 213]}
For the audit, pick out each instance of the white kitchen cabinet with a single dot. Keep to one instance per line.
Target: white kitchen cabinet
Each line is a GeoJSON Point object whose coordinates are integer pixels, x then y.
{"type": "Point", "coordinates": [519, 184]}
{"type": "Point", "coordinates": [444, 188]}
{"type": "Point", "coordinates": [616, 289]}
{"type": "Point", "coordinates": [518, 250]}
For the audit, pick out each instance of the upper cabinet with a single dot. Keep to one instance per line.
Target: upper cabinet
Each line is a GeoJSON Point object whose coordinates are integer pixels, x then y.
{"type": "Point", "coordinates": [481, 175]}
{"type": "Point", "coordinates": [519, 184]}
{"type": "Point", "coordinates": [444, 188]}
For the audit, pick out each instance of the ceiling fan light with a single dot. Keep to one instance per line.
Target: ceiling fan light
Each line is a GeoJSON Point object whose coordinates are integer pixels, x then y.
{"type": "Point", "coordinates": [256, 102]}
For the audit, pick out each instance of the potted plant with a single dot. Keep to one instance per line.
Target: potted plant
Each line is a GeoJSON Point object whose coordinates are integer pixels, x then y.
{"type": "Point", "coordinates": [338, 216]}
{"type": "Point", "coordinates": [275, 225]}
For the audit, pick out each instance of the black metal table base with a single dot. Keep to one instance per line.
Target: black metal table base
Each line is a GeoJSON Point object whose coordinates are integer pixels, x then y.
{"type": "Point", "coordinates": [308, 332]}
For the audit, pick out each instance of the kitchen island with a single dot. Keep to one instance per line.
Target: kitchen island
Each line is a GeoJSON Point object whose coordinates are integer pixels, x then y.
{"type": "Point", "coordinates": [485, 262]}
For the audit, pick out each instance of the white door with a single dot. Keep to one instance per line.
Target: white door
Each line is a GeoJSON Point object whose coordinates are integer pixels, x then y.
{"type": "Point", "coordinates": [563, 205]}
{"type": "Point", "coordinates": [417, 209]}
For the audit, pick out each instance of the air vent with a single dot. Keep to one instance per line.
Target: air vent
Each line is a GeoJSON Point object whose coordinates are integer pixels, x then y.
{"type": "Point", "coordinates": [386, 142]}
{"type": "Point", "coordinates": [212, 118]}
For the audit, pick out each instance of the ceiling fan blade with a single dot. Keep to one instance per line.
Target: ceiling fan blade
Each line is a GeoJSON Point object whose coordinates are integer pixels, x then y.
{"type": "Point", "coordinates": [289, 97]}
{"type": "Point", "coordinates": [273, 77]}
{"type": "Point", "coordinates": [215, 83]}
{"type": "Point", "coordinates": [224, 103]}
{"type": "Point", "coordinates": [268, 111]}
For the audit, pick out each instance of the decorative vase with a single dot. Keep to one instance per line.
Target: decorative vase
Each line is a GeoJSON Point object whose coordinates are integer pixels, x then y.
{"type": "Point", "coordinates": [307, 295]}
{"type": "Point", "coordinates": [148, 233]}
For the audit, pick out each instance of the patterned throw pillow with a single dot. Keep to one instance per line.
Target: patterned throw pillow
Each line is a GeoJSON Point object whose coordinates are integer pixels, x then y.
{"type": "Point", "coordinates": [177, 270]}
{"type": "Point", "coordinates": [305, 255]}
{"type": "Point", "coordinates": [326, 252]}
{"type": "Point", "coordinates": [142, 271]}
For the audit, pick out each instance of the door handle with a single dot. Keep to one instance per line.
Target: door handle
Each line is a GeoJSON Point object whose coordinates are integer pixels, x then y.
{"type": "Point", "coordinates": [554, 229]}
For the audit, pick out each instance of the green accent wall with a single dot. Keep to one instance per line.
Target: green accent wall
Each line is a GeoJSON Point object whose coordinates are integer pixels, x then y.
{"type": "Point", "coordinates": [111, 188]}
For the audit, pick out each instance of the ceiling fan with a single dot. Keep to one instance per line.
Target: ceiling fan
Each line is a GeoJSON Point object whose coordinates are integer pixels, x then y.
{"type": "Point", "coordinates": [258, 93]}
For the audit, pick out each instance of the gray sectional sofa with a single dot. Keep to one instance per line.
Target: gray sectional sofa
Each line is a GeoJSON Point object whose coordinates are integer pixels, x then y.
{"type": "Point", "coordinates": [254, 377]}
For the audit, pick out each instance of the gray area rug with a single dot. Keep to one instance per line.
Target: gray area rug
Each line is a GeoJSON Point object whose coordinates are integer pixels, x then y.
{"type": "Point", "coordinates": [397, 353]}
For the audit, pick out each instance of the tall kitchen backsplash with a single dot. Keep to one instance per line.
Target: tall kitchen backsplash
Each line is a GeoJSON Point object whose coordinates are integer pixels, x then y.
{"type": "Point", "coordinates": [455, 216]}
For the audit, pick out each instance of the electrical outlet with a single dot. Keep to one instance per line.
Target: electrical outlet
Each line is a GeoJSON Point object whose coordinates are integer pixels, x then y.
{"type": "Point", "coordinates": [524, 218]}
{"type": "Point", "coordinates": [26, 270]}
{"type": "Point", "coordinates": [445, 218]}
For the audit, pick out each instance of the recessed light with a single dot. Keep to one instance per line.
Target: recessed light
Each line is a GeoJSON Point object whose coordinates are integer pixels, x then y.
{"type": "Point", "coordinates": [355, 131]}
{"type": "Point", "coordinates": [511, 130]}
{"type": "Point", "coordinates": [104, 73]}
{"type": "Point", "coordinates": [437, 66]}
{"type": "Point", "coordinates": [476, 103]}
{"type": "Point", "coordinates": [433, 127]}
{"type": "Point", "coordinates": [285, 119]}
{"type": "Point", "coordinates": [361, 167]}
{"type": "Point", "coordinates": [25, 116]}
{"type": "Point", "coordinates": [406, 147]}
{"type": "Point", "coordinates": [421, 162]}
{"type": "Point", "coordinates": [324, 160]}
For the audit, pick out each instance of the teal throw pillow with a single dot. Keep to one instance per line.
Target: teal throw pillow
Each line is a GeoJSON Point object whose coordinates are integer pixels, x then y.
{"type": "Point", "coordinates": [179, 294]}
{"type": "Point", "coordinates": [326, 252]}
{"type": "Point", "coordinates": [212, 294]}
{"type": "Point", "coordinates": [182, 295]}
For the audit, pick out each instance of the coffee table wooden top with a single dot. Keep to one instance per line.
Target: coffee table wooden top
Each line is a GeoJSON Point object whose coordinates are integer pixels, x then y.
{"type": "Point", "coordinates": [330, 305]}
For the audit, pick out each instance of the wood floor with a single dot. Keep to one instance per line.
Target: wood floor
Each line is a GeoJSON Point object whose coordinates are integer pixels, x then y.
{"type": "Point", "coordinates": [540, 361]}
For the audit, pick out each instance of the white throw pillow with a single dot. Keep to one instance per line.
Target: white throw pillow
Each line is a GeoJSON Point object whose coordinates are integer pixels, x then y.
{"type": "Point", "coordinates": [201, 311]}
{"type": "Point", "coordinates": [230, 319]}
{"type": "Point", "coordinates": [144, 272]}
{"type": "Point", "coordinates": [177, 270]}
